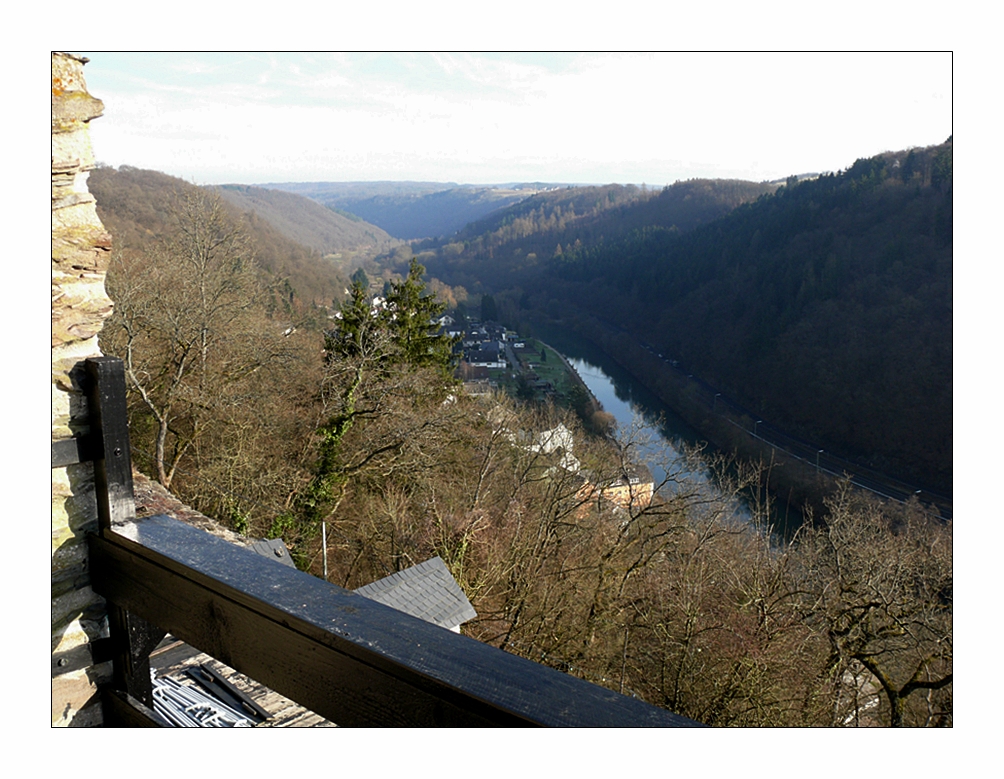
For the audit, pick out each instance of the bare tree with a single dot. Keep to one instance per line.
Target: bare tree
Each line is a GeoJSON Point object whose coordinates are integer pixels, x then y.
{"type": "Point", "coordinates": [878, 586]}
{"type": "Point", "coordinates": [189, 323]}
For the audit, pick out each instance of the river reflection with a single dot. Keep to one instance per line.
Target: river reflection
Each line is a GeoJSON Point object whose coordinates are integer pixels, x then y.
{"type": "Point", "coordinates": [642, 415]}
{"type": "Point", "coordinates": [655, 432]}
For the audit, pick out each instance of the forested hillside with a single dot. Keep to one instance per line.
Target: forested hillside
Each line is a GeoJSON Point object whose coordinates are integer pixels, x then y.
{"type": "Point", "coordinates": [826, 306]}
{"type": "Point", "coordinates": [137, 208]}
{"type": "Point", "coordinates": [308, 223]}
{"type": "Point", "coordinates": [515, 245]}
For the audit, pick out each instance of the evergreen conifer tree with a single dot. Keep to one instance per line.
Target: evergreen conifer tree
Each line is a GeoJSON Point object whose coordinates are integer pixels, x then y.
{"type": "Point", "coordinates": [410, 317]}
{"type": "Point", "coordinates": [355, 328]}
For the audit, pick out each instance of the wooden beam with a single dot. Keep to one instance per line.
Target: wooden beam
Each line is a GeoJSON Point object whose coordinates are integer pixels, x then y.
{"type": "Point", "coordinates": [347, 658]}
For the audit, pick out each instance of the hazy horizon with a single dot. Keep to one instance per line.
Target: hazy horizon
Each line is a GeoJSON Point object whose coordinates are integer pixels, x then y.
{"type": "Point", "coordinates": [491, 119]}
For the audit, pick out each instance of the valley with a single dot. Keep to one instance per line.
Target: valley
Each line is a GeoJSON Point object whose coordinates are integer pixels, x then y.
{"type": "Point", "coordinates": [648, 357]}
{"type": "Point", "coordinates": [765, 320]}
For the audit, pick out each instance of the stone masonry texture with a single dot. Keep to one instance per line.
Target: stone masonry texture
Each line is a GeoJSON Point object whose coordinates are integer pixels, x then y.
{"type": "Point", "coordinates": [80, 253]}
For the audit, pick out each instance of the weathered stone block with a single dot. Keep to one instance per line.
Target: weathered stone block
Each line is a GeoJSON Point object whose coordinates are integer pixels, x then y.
{"type": "Point", "coordinates": [79, 512]}
{"type": "Point", "coordinates": [72, 106]}
{"type": "Point", "coordinates": [72, 578]}
{"type": "Point", "coordinates": [69, 550]}
{"type": "Point", "coordinates": [72, 109]}
{"type": "Point", "coordinates": [69, 221]}
{"type": "Point", "coordinates": [80, 239]}
{"type": "Point", "coordinates": [70, 187]}
{"type": "Point", "coordinates": [67, 363]}
{"type": "Point", "coordinates": [78, 632]}
{"type": "Point", "coordinates": [79, 310]}
{"type": "Point", "coordinates": [74, 481]}
{"type": "Point", "coordinates": [79, 604]}
{"type": "Point", "coordinates": [75, 697]}
{"type": "Point", "coordinates": [73, 150]}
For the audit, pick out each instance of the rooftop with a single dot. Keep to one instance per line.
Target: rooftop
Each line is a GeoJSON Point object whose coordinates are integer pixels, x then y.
{"type": "Point", "coordinates": [427, 591]}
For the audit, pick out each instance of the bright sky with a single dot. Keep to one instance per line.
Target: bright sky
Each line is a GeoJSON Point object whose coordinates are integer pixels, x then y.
{"type": "Point", "coordinates": [483, 119]}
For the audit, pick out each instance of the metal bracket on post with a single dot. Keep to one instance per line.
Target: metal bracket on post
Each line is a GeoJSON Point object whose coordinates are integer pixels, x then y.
{"type": "Point", "coordinates": [131, 637]}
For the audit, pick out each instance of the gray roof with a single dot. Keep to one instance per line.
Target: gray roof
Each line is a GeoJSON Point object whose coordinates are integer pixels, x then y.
{"type": "Point", "coordinates": [274, 549]}
{"type": "Point", "coordinates": [427, 591]}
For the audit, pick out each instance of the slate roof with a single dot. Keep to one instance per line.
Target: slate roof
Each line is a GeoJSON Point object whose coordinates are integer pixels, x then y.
{"type": "Point", "coordinates": [427, 591]}
{"type": "Point", "coordinates": [274, 549]}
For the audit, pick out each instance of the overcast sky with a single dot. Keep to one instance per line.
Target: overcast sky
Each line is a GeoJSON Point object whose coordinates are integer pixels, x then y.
{"type": "Point", "coordinates": [481, 119]}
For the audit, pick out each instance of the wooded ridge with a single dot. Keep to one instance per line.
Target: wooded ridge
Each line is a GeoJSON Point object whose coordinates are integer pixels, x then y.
{"type": "Point", "coordinates": [138, 207]}
{"type": "Point", "coordinates": [308, 223]}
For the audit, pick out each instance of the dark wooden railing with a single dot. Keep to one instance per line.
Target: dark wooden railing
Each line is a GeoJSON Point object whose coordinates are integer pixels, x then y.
{"type": "Point", "coordinates": [347, 658]}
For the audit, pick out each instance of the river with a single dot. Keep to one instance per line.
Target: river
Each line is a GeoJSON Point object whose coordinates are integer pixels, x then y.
{"type": "Point", "coordinates": [638, 410]}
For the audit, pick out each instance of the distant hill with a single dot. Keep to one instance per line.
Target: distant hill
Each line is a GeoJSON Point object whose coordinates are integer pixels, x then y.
{"type": "Point", "coordinates": [336, 191]}
{"type": "Point", "coordinates": [434, 214]}
{"type": "Point", "coordinates": [134, 206]}
{"type": "Point", "coordinates": [412, 210]}
{"type": "Point", "coordinates": [306, 221]}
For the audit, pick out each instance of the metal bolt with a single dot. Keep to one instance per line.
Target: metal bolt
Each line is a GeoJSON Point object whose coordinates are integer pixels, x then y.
{"type": "Point", "coordinates": [117, 452]}
{"type": "Point", "coordinates": [278, 553]}
{"type": "Point", "coordinates": [62, 661]}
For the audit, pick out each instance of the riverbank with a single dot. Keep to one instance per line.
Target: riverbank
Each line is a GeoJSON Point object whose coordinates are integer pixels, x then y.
{"type": "Point", "coordinates": [574, 377]}
{"type": "Point", "coordinates": [539, 372]}
{"type": "Point", "coordinates": [798, 473]}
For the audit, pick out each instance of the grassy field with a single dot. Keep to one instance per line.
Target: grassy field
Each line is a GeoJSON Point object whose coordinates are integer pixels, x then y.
{"type": "Point", "coordinates": [550, 369]}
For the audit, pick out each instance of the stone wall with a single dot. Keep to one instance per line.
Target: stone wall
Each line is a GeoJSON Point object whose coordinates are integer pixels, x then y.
{"type": "Point", "coordinates": [80, 253]}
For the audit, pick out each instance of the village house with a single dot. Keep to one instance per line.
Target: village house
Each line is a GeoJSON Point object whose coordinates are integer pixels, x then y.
{"type": "Point", "coordinates": [631, 490]}
{"type": "Point", "coordinates": [489, 355]}
{"type": "Point", "coordinates": [483, 345]}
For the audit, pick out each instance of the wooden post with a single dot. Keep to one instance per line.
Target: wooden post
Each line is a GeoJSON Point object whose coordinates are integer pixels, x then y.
{"type": "Point", "coordinates": [132, 638]}
{"type": "Point", "coordinates": [132, 641]}
{"type": "Point", "coordinates": [106, 398]}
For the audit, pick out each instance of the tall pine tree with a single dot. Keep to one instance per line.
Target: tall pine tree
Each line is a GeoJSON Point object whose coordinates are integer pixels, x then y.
{"type": "Point", "coordinates": [411, 316]}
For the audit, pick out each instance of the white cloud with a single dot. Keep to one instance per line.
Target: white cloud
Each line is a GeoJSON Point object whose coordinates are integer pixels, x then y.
{"type": "Point", "coordinates": [480, 119]}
